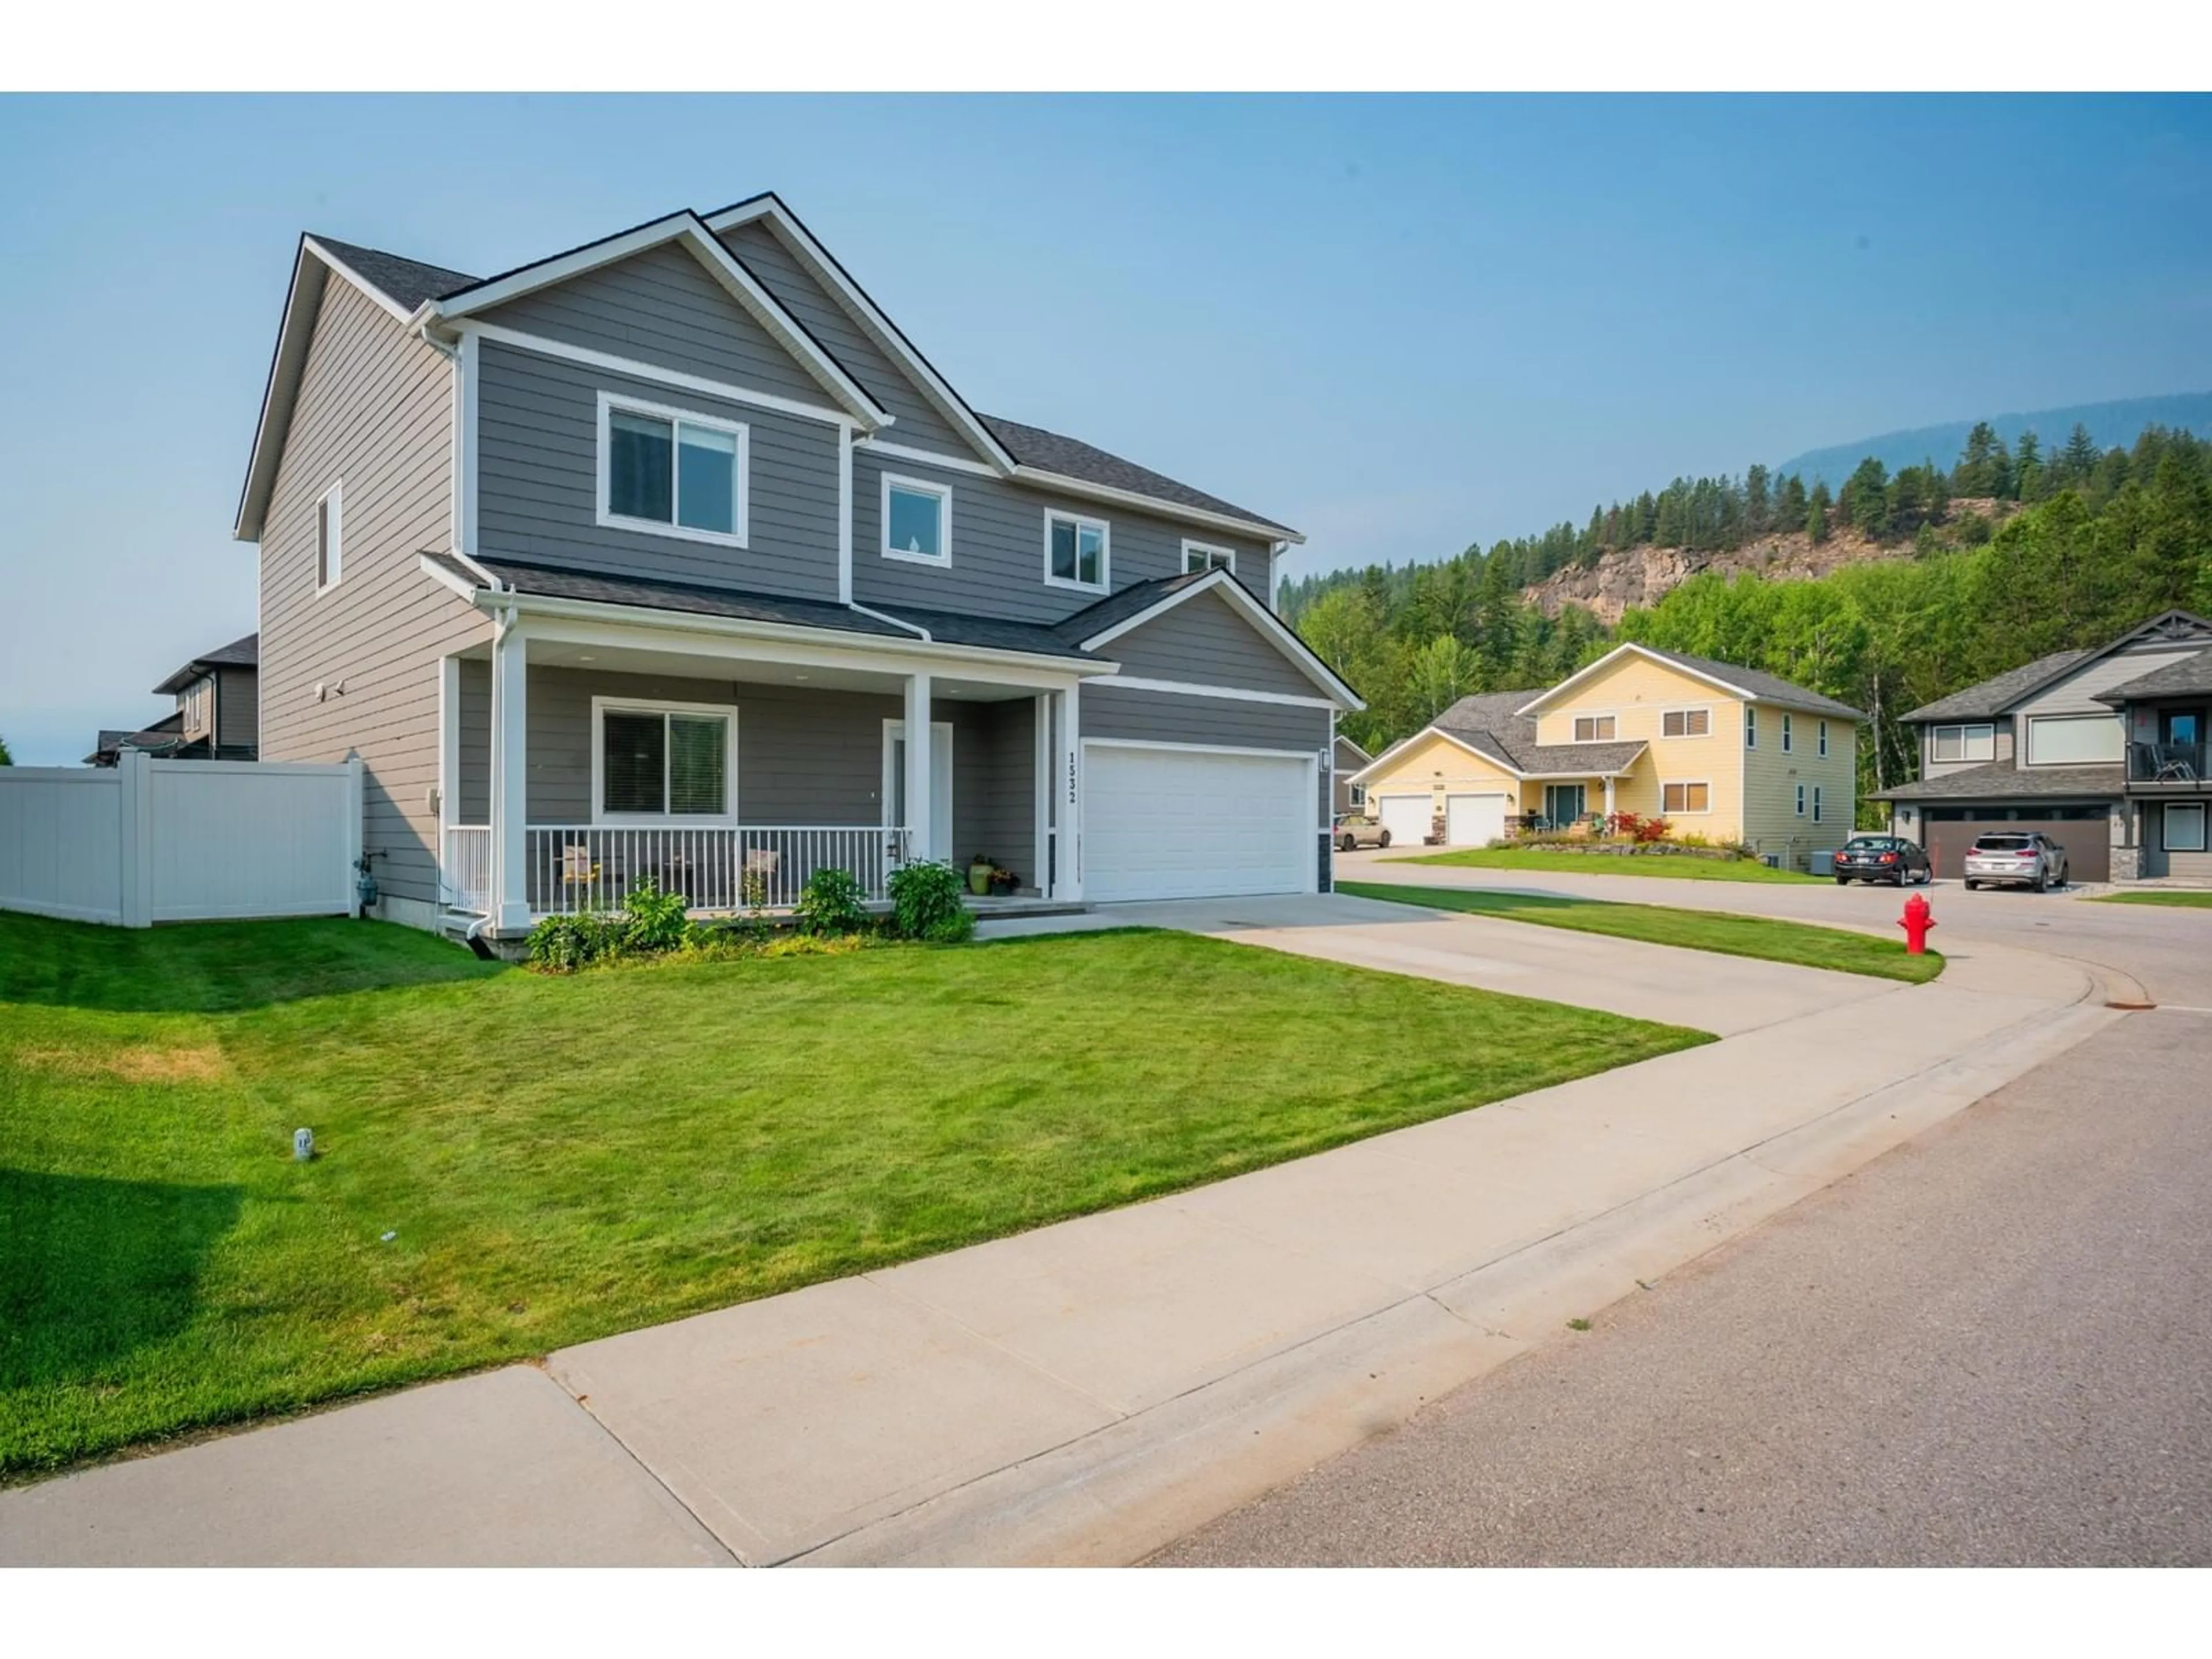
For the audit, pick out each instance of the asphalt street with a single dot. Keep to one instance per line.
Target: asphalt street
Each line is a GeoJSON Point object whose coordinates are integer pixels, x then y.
{"type": "Point", "coordinates": [1992, 1346]}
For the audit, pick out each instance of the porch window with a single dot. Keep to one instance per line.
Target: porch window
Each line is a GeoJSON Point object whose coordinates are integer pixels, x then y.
{"type": "Point", "coordinates": [663, 762]}
{"type": "Point", "coordinates": [672, 472]}
{"type": "Point", "coordinates": [1594, 728]}
{"type": "Point", "coordinates": [1197, 556]}
{"type": "Point", "coordinates": [1076, 552]}
{"type": "Point", "coordinates": [917, 520]}
{"type": "Point", "coordinates": [1689, 797]}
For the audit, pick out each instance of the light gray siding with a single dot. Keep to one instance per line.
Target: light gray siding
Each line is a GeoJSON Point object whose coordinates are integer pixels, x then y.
{"type": "Point", "coordinates": [998, 562]}
{"type": "Point", "coordinates": [538, 480]}
{"type": "Point", "coordinates": [1165, 717]}
{"type": "Point", "coordinates": [2158, 861]}
{"type": "Point", "coordinates": [375, 413]}
{"type": "Point", "coordinates": [918, 420]}
{"type": "Point", "coordinates": [237, 708]}
{"type": "Point", "coordinates": [2077, 693]}
{"type": "Point", "coordinates": [663, 307]}
{"type": "Point", "coordinates": [1204, 640]}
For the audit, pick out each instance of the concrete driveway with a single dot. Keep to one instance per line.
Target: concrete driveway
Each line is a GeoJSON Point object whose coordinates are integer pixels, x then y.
{"type": "Point", "coordinates": [2167, 951]}
{"type": "Point", "coordinates": [1726, 995]}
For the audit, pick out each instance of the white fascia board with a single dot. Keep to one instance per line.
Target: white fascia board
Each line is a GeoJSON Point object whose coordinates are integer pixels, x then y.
{"type": "Point", "coordinates": [641, 627]}
{"type": "Point", "coordinates": [825, 269]}
{"type": "Point", "coordinates": [1293, 647]}
{"type": "Point", "coordinates": [687, 228]}
{"type": "Point", "coordinates": [1404, 744]}
{"type": "Point", "coordinates": [302, 299]}
{"type": "Point", "coordinates": [1631, 647]}
{"type": "Point", "coordinates": [1166, 509]}
{"type": "Point", "coordinates": [487, 584]}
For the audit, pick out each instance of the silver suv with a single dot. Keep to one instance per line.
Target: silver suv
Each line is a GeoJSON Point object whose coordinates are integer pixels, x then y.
{"type": "Point", "coordinates": [2017, 857]}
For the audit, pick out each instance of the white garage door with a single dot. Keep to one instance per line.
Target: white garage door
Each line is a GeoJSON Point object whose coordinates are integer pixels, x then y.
{"type": "Point", "coordinates": [1195, 823]}
{"type": "Point", "coordinates": [1472, 820]}
{"type": "Point", "coordinates": [1407, 819]}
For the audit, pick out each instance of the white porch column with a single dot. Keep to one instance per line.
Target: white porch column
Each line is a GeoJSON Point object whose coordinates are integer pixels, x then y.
{"type": "Point", "coordinates": [920, 810]}
{"type": "Point", "coordinates": [510, 811]}
{"type": "Point", "coordinates": [1067, 795]}
{"type": "Point", "coordinates": [1608, 797]}
{"type": "Point", "coordinates": [1040, 753]}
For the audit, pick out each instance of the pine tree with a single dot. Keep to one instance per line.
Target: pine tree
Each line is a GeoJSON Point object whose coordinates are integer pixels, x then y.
{"type": "Point", "coordinates": [2075, 462]}
{"type": "Point", "coordinates": [2028, 468]}
{"type": "Point", "coordinates": [1757, 511]}
{"type": "Point", "coordinates": [1816, 513]}
{"type": "Point", "coordinates": [1792, 515]}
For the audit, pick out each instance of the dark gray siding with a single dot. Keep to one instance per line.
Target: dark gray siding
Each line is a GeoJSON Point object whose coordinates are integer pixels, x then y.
{"type": "Point", "coordinates": [998, 547]}
{"type": "Point", "coordinates": [375, 411]}
{"type": "Point", "coordinates": [537, 477]}
{"type": "Point", "coordinates": [917, 420]}
{"type": "Point", "coordinates": [1164, 717]}
{"type": "Point", "coordinates": [472, 789]}
{"type": "Point", "coordinates": [237, 708]}
{"type": "Point", "coordinates": [663, 307]}
{"type": "Point", "coordinates": [1204, 640]}
{"type": "Point", "coordinates": [994, 787]}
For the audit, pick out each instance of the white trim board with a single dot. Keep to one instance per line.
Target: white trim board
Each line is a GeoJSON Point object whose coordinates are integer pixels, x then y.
{"type": "Point", "coordinates": [1232, 693]}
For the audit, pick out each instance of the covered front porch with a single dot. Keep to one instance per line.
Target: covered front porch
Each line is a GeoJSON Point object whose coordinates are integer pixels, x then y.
{"type": "Point", "coordinates": [583, 758]}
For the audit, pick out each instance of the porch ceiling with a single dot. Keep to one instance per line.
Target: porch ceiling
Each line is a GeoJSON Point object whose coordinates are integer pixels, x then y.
{"type": "Point", "coordinates": [686, 665]}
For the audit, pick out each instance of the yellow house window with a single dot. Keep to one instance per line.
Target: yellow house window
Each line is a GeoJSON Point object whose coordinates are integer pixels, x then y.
{"type": "Point", "coordinates": [1685, 797]}
{"type": "Point", "coordinates": [1686, 723]}
{"type": "Point", "coordinates": [1593, 728]}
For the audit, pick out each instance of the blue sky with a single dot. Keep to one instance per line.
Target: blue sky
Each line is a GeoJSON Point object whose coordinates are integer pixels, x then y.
{"type": "Point", "coordinates": [1402, 323]}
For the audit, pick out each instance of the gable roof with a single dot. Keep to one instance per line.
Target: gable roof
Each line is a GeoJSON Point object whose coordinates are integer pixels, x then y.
{"type": "Point", "coordinates": [2191, 675]}
{"type": "Point", "coordinates": [1751, 683]}
{"type": "Point", "coordinates": [1141, 601]}
{"type": "Point", "coordinates": [2001, 692]}
{"type": "Point", "coordinates": [242, 653]}
{"type": "Point", "coordinates": [414, 293]}
{"type": "Point", "coordinates": [1491, 724]}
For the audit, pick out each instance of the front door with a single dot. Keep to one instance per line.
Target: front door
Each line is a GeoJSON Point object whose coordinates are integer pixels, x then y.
{"type": "Point", "coordinates": [940, 783]}
{"type": "Point", "coordinates": [1563, 803]}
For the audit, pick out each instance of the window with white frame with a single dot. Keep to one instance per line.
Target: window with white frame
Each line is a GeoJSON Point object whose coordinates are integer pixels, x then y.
{"type": "Point", "coordinates": [1686, 723]}
{"type": "Point", "coordinates": [672, 472]}
{"type": "Point", "coordinates": [1816, 803]}
{"type": "Point", "coordinates": [1963, 743]}
{"type": "Point", "coordinates": [1359, 797]}
{"type": "Point", "coordinates": [2074, 739]}
{"type": "Point", "coordinates": [1750, 727]}
{"type": "Point", "coordinates": [1824, 739]}
{"type": "Point", "coordinates": [1594, 728]}
{"type": "Point", "coordinates": [917, 519]}
{"type": "Point", "coordinates": [1197, 556]}
{"type": "Point", "coordinates": [1077, 550]}
{"type": "Point", "coordinates": [674, 763]}
{"type": "Point", "coordinates": [1788, 736]}
{"type": "Point", "coordinates": [2183, 830]}
{"type": "Point", "coordinates": [1800, 800]}
{"type": "Point", "coordinates": [1685, 797]}
{"type": "Point", "coordinates": [330, 538]}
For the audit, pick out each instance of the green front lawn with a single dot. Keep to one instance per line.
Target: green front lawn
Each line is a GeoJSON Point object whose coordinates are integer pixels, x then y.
{"type": "Point", "coordinates": [1548, 861]}
{"type": "Point", "coordinates": [1658, 924]}
{"type": "Point", "coordinates": [509, 1162]}
{"type": "Point", "coordinates": [2180, 897]}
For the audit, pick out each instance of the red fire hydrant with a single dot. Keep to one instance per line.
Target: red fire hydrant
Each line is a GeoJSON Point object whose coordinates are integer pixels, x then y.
{"type": "Point", "coordinates": [1919, 917]}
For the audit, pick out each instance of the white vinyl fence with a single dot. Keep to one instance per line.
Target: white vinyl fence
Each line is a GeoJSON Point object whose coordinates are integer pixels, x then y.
{"type": "Point", "coordinates": [180, 841]}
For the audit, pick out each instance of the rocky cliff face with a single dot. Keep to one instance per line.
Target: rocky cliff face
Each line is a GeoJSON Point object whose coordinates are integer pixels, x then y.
{"type": "Point", "coordinates": [1645, 576]}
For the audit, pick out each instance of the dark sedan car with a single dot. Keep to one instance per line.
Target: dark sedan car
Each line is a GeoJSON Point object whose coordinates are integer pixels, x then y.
{"type": "Point", "coordinates": [1882, 858]}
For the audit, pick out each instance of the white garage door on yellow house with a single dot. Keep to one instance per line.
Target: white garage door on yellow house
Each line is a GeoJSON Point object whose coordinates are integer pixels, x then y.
{"type": "Point", "coordinates": [1726, 753]}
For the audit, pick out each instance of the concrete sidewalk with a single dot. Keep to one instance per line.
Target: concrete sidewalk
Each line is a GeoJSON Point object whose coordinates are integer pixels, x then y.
{"type": "Point", "coordinates": [1089, 1390]}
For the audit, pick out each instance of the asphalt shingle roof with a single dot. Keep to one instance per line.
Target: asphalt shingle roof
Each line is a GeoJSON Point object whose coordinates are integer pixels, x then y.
{"type": "Point", "coordinates": [2000, 691]}
{"type": "Point", "coordinates": [2191, 675]}
{"type": "Point", "coordinates": [1767, 688]}
{"type": "Point", "coordinates": [1488, 722]}
{"type": "Point", "coordinates": [242, 653]}
{"type": "Point", "coordinates": [406, 282]}
{"type": "Point", "coordinates": [2002, 780]}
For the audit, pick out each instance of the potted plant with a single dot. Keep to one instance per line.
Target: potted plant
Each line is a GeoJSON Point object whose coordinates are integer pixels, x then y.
{"type": "Point", "coordinates": [979, 871]}
{"type": "Point", "coordinates": [1004, 881]}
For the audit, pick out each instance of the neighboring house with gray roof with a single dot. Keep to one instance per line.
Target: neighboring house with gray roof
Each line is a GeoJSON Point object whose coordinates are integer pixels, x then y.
{"type": "Point", "coordinates": [217, 715]}
{"type": "Point", "coordinates": [642, 559]}
{"type": "Point", "coordinates": [2103, 749]}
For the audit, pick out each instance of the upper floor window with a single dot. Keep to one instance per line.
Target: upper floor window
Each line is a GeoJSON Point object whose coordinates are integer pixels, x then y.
{"type": "Point", "coordinates": [1197, 556]}
{"type": "Point", "coordinates": [1963, 743]}
{"type": "Point", "coordinates": [671, 472]}
{"type": "Point", "coordinates": [1787, 735]}
{"type": "Point", "coordinates": [1594, 728]}
{"type": "Point", "coordinates": [917, 520]}
{"type": "Point", "coordinates": [1686, 723]}
{"type": "Point", "coordinates": [1750, 727]}
{"type": "Point", "coordinates": [329, 539]}
{"type": "Point", "coordinates": [1076, 552]}
{"type": "Point", "coordinates": [1824, 739]}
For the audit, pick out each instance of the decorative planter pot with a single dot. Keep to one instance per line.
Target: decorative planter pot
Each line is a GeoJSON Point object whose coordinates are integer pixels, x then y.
{"type": "Point", "coordinates": [978, 879]}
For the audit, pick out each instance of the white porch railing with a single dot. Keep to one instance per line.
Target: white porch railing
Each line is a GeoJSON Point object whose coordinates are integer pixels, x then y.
{"type": "Point", "coordinates": [467, 871]}
{"type": "Point", "coordinates": [572, 869]}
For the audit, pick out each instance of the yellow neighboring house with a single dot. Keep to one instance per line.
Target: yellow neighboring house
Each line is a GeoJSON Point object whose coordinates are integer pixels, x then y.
{"type": "Point", "coordinates": [1723, 752]}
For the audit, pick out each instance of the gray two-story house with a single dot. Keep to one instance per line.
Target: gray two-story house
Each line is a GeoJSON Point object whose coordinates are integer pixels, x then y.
{"type": "Point", "coordinates": [2102, 749]}
{"type": "Point", "coordinates": [671, 557]}
{"type": "Point", "coordinates": [218, 713]}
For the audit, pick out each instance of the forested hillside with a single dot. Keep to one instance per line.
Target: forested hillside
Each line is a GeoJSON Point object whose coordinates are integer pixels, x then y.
{"type": "Point", "coordinates": [2060, 548]}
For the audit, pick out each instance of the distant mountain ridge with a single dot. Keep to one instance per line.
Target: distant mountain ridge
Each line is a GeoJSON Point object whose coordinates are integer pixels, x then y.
{"type": "Point", "coordinates": [2118, 422]}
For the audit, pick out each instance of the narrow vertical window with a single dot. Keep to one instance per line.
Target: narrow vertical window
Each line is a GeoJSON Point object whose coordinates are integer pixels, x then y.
{"type": "Point", "coordinates": [1824, 739]}
{"type": "Point", "coordinates": [1786, 734]}
{"type": "Point", "coordinates": [1750, 727]}
{"type": "Point", "coordinates": [329, 539]}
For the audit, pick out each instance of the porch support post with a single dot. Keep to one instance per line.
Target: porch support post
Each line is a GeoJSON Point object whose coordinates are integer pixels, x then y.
{"type": "Point", "coordinates": [510, 812]}
{"type": "Point", "coordinates": [1040, 765]}
{"type": "Point", "coordinates": [920, 810]}
{"type": "Point", "coordinates": [1067, 795]}
{"type": "Point", "coordinates": [1608, 797]}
